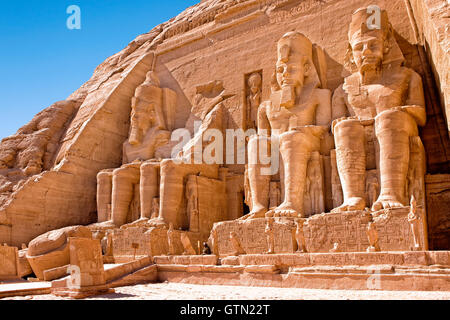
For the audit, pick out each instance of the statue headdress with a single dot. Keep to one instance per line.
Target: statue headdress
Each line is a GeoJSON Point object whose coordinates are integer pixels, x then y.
{"type": "Point", "coordinates": [359, 27]}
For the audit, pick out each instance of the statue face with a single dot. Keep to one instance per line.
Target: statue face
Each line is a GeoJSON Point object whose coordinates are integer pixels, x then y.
{"type": "Point", "coordinates": [290, 70]}
{"type": "Point", "coordinates": [143, 116]}
{"type": "Point", "coordinates": [368, 52]}
{"type": "Point", "coordinates": [254, 83]}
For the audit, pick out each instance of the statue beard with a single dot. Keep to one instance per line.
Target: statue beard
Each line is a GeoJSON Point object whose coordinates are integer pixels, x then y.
{"type": "Point", "coordinates": [370, 72]}
{"type": "Point", "coordinates": [289, 94]}
{"type": "Point", "coordinates": [135, 135]}
{"type": "Point", "coordinates": [138, 131]}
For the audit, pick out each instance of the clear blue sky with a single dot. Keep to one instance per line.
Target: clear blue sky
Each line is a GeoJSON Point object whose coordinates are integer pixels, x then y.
{"type": "Point", "coordinates": [42, 61]}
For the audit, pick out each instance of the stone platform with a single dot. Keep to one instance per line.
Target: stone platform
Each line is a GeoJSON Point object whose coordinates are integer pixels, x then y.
{"type": "Point", "coordinates": [322, 231]}
{"type": "Point", "coordinates": [404, 271]}
{"type": "Point", "coordinates": [24, 288]}
{"type": "Point", "coordinates": [138, 242]}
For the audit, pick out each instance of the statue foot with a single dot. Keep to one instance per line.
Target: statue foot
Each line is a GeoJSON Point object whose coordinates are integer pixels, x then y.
{"type": "Point", "coordinates": [156, 223]}
{"type": "Point", "coordinates": [285, 210]}
{"type": "Point", "coordinates": [257, 212]}
{"type": "Point", "coordinates": [142, 222]}
{"type": "Point", "coordinates": [103, 225]}
{"type": "Point", "coordinates": [386, 203]}
{"type": "Point", "coordinates": [352, 204]}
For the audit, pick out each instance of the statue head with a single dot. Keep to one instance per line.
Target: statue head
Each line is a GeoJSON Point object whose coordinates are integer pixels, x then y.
{"type": "Point", "coordinates": [254, 82]}
{"type": "Point", "coordinates": [368, 43]}
{"type": "Point", "coordinates": [144, 107]}
{"type": "Point", "coordinates": [294, 66]}
{"type": "Point", "coordinates": [294, 59]}
{"type": "Point", "coordinates": [369, 46]}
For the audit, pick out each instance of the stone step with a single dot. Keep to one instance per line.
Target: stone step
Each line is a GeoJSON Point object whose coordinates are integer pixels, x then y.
{"type": "Point", "coordinates": [114, 272]}
{"type": "Point", "coordinates": [24, 289]}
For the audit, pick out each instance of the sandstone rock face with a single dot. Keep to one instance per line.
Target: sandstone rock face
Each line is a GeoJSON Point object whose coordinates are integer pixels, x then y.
{"type": "Point", "coordinates": [432, 27]}
{"type": "Point", "coordinates": [48, 170]}
{"type": "Point", "coordinates": [438, 201]}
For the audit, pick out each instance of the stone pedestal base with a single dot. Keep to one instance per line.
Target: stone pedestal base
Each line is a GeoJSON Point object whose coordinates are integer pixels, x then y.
{"type": "Point", "coordinates": [137, 242]}
{"type": "Point", "coordinates": [323, 231]}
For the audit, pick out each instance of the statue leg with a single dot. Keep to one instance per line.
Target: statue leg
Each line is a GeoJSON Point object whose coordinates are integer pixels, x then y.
{"type": "Point", "coordinates": [259, 183]}
{"type": "Point", "coordinates": [296, 147]}
{"type": "Point", "coordinates": [351, 163]}
{"type": "Point", "coordinates": [104, 193]}
{"type": "Point", "coordinates": [393, 129]}
{"type": "Point", "coordinates": [149, 187]}
{"type": "Point", "coordinates": [124, 180]}
{"type": "Point", "coordinates": [172, 189]}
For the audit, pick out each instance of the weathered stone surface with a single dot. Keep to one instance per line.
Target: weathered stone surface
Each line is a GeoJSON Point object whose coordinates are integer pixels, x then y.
{"type": "Point", "coordinates": [8, 262]}
{"type": "Point", "coordinates": [51, 249]}
{"type": "Point", "coordinates": [438, 203]}
{"type": "Point", "coordinates": [23, 266]}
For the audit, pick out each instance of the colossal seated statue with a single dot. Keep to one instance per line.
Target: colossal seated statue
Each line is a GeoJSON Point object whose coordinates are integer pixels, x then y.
{"type": "Point", "coordinates": [152, 176]}
{"type": "Point", "coordinates": [377, 111]}
{"type": "Point", "coordinates": [298, 114]}
{"type": "Point", "coordinates": [151, 118]}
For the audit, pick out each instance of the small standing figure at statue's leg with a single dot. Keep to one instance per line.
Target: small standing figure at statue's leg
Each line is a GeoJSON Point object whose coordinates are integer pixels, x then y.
{"type": "Point", "coordinates": [270, 236]}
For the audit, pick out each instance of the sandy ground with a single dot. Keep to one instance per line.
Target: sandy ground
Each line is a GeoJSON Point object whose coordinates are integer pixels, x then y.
{"type": "Point", "coordinates": [177, 291]}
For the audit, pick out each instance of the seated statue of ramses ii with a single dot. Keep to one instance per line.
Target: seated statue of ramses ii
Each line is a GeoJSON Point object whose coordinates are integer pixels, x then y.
{"type": "Point", "coordinates": [297, 115]}
{"type": "Point", "coordinates": [150, 124]}
{"type": "Point", "coordinates": [382, 102]}
{"type": "Point", "coordinates": [148, 189]}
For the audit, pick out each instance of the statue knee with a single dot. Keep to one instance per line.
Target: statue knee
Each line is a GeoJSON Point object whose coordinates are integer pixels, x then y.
{"type": "Point", "coordinates": [393, 122]}
{"type": "Point", "coordinates": [148, 168]}
{"type": "Point", "coordinates": [348, 125]}
{"type": "Point", "coordinates": [304, 139]}
{"type": "Point", "coordinates": [104, 176]}
{"type": "Point", "coordinates": [131, 174]}
{"type": "Point", "coordinates": [168, 166]}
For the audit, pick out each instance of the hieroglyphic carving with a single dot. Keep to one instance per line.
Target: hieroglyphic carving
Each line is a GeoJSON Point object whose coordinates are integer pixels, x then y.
{"type": "Point", "coordinates": [335, 248]}
{"type": "Point", "coordinates": [280, 15]}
